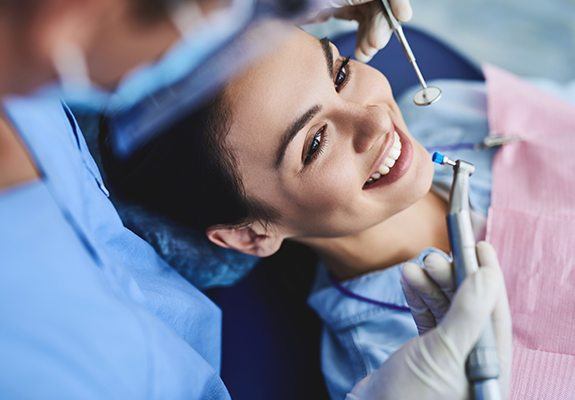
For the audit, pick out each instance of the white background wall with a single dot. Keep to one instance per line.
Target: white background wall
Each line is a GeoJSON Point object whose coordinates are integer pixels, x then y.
{"type": "Point", "coordinates": [528, 37]}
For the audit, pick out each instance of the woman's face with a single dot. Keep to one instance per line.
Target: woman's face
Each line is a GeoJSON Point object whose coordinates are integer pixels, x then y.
{"type": "Point", "coordinates": [323, 141]}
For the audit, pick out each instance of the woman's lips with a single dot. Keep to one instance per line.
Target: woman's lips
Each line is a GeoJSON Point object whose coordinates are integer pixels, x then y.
{"type": "Point", "coordinates": [401, 165]}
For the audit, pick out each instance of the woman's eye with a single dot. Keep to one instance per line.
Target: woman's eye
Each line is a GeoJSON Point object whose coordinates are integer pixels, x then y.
{"type": "Point", "coordinates": [342, 75]}
{"type": "Point", "coordinates": [315, 145]}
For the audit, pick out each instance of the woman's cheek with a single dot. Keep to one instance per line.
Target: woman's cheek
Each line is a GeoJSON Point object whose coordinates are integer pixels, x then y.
{"type": "Point", "coordinates": [336, 189]}
{"type": "Point", "coordinates": [328, 191]}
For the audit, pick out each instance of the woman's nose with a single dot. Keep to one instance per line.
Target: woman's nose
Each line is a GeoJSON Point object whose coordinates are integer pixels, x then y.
{"type": "Point", "coordinates": [371, 124]}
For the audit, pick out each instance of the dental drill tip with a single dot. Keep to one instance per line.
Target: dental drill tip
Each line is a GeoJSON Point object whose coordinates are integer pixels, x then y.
{"type": "Point", "coordinates": [440, 159]}
{"type": "Point", "coordinates": [437, 158]}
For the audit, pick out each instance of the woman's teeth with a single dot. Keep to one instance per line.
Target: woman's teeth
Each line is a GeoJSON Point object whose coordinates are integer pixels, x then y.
{"type": "Point", "coordinates": [389, 161]}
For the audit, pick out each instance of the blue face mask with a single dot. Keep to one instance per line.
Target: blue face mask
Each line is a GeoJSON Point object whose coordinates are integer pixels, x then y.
{"type": "Point", "coordinates": [207, 36]}
{"type": "Point", "coordinates": [153, 96]}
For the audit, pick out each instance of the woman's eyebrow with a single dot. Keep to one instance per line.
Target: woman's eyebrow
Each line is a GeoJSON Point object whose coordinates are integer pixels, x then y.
{"type": "Point", "coordinates": [328, 54]}
{"type": "Point", "coordinates": [292, 131]}
{"type": "Point", "coordinates": [299, 123]}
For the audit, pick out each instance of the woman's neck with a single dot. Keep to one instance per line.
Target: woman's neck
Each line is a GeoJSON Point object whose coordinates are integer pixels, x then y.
{"type": "Point", "coordinates": [395, 240]}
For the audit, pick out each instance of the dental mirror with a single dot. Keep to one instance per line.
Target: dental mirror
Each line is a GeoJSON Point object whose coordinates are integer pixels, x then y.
{"type": "Point", "coordinates": [427, 95]}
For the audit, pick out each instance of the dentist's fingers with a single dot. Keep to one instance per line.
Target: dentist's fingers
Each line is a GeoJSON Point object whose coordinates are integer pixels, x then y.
{"type": "Point", "coordinates": [424, 319]}
{"type": "Point", "coordinates": [378, 32]}
{"type": "Point", "coordinates": [374, 36]}
{"type": "Point", "coordinates": [362, 51]}
{"type": "Point", "coordinates": [373, 31]}
{"type": "Point", "coordinates": [401, 9]}
{"type": "Point", "coordinates": [486, 254]}
{"type": "Point", "coordinates": [427, 290]}
{"type": "Point", "coordinates": [441, 271]}
{"type": "Point", "coordinates": [471, 308]}
{"type": "Point", "coordinates": [501, 318]}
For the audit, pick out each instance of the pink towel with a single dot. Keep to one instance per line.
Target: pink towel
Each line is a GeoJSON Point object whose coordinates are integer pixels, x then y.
{"type": "Point", "coordinates": [531, 223]}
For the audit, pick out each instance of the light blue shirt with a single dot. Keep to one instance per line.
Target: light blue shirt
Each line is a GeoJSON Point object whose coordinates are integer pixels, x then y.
{"type": "Point", "coordinates": [88, 309]}
{"type": "Point", "coordinates": [358, 336]}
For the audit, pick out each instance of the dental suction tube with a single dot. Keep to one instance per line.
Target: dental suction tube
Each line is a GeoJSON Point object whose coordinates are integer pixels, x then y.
{"type": "Point", "coordinates": [482, 365]}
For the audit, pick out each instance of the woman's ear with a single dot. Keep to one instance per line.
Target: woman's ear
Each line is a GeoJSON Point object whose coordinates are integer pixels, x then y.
{"type": "Point", "coordinates": [253, 239]}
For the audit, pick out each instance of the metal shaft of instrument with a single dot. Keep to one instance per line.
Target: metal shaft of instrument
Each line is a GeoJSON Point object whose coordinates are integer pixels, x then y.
{"type": "Point", "coordinates": [427, 95]}
{"type": "Point", "coordinates": [407, 49]}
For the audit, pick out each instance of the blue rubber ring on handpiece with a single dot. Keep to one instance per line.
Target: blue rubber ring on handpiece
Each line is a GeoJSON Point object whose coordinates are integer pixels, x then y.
{"type": "Point", "coordinates": [437, 158]}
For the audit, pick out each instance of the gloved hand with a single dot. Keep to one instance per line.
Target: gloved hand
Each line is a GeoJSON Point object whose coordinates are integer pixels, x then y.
{"type": "Point", "coordinates": [374, 31]}
{"type": "Point", "coordinates": [429, 290]}
{"type": "Point", "coordinates": [432, 366]}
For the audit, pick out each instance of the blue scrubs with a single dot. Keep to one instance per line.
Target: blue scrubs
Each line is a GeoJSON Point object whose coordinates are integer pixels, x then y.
{"type": "Point", "coordinates": [87, 309]}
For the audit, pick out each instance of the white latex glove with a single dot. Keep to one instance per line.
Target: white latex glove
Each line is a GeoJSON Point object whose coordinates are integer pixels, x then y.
{"type": "Point", "coordinates": [428, 291]}
{"type": "Point", "coordinates": [373, 32]}
{"type": "Point", "coordinates": [432, 366]}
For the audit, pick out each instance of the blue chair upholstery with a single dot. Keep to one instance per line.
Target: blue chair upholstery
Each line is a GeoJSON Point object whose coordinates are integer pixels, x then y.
{"type": "Point", "coordinates": [270, 337]}
{"type": "Point", "coordinates": [436, 60]}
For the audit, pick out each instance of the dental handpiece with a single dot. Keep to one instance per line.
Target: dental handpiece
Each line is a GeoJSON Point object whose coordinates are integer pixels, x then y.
{"type": "Point", "coordinates": [482, 365]}
{"type": "Point", "coordinates": [427, 94]}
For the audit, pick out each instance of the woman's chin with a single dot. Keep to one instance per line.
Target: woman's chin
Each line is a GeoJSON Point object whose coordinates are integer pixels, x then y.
{"type": "Point", "coordinates": [423, 177]}
{"type": "Point", "coordinates": [426, 168]}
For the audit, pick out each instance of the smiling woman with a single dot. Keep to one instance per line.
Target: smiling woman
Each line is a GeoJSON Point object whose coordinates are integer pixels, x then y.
{"type": "Point", "coordinates": [305, 145]}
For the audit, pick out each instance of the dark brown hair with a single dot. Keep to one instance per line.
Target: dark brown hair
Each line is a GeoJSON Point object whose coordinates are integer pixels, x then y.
{"type": "Point", "coordinates": [187, 173]}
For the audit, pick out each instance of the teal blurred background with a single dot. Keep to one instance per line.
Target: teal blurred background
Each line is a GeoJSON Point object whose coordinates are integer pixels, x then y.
{"type": "Point", "coordinates": [529, 38]}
